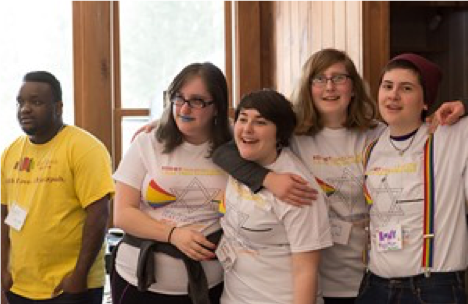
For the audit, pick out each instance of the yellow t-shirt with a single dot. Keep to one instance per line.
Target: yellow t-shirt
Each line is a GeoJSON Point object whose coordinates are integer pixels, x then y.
{"type": "Point", "coordinates": [54, 182]}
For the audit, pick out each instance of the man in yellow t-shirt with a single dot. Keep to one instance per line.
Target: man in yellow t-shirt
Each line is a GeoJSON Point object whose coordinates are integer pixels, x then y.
{"type": "Point", "coordinates": [56, 185]}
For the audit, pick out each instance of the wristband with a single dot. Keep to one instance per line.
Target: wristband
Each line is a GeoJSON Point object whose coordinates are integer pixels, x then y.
{"type": "Point", "coordinates": [170, 234]}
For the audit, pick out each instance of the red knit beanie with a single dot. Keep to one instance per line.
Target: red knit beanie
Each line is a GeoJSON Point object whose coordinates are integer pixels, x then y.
{"type": "Point", "coordinates": [431, 75]}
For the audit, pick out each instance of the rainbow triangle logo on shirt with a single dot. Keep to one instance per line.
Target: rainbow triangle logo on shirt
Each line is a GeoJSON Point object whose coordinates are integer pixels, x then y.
{"type": "Point", "coordinates": [158, 197]}
{"type": "Point", "coordinates": [221, 205]}
{"type": "Point", "coordinates": [329, 190]}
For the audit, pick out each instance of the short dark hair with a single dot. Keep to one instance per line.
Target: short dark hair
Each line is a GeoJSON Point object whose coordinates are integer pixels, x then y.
{"type": "Point", "coordinates": [46, 77]}
{"type": "Point", "coordinates": [274, 107]}
{"type": "Point", "coordinates": [406, 65]}
{"type": "Point", "coordinates": [429, 73]}
{"type": "Point", "coordinates": [169, 134]}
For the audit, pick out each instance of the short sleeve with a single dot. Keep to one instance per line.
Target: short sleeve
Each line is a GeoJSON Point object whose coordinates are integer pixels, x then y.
{"type": "Point", "coordinates": [93, 174]}
{"type": "Point", "coordinates": [132, 170]}
{"type": "Point", "coordinates": [307, 227]}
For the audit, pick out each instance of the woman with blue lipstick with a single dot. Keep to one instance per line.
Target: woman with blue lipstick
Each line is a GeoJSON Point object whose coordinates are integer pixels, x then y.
{"type": "Point", "coordinates": [167, 196]}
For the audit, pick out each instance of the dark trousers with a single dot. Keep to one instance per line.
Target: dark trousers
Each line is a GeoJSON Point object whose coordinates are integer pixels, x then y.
{"type": "Point", "coordinates": [328, 300]}
{"type": "Point", "coordinates": [438, 288]}
{"type": "Point", "coordinates": [125, 293]}
{"type": "Point", "coordinates": [91, 296]}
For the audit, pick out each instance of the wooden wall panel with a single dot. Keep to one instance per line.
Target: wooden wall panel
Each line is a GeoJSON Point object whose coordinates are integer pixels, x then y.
{"type": "Point", "coordinates": [295, 44]}
{"type": "Point", "coordinates": [340, 29]}
{"type": "Point", "coordinates": [315, 22]}
{"type": "Point", "coordinates": [285, 60]}
{"type": "Point", "coordinates": [228, 47]}
{"type": "Point", "coordinates": [304, 27]}
{"type": "Point", "coordinates": [305, 32]}
{"type": "Point", "coordinates": [328, 23]}
{"type": "Point", "coordinates": [353, 24]}
{"type": "Point", "coordinates": [375, 40]}
{"type": "Point", "coordinates": [278, 33]}
{"type": "Point", "coordinates": [268, 44]}
{"type": "Point", "coordinates": [248, 48]}
{"type": "Point", "coordinates": [92, 68]}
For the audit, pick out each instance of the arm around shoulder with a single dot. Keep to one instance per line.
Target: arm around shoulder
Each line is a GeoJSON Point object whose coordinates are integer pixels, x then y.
{"type": "Point", "coordinates": [249, 173]}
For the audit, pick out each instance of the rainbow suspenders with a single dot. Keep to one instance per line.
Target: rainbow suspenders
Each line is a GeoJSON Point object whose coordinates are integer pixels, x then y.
{"type": "Point", "coordinates": [368, 198]}
{"type": "Point", "coordinates": [429, 206]}
{"type": "Point", "coordinates": [429, 202]}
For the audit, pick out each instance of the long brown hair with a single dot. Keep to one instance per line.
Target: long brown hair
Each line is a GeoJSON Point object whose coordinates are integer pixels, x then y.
{"type": "Point", "coordinates": [167, 131]}
{"type": "Point", "coordinates": [362, 110]}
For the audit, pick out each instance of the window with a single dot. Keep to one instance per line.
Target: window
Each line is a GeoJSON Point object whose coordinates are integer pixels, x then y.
{"type": "Point", "coordinates": [158, 39]}
{"type": "Point", "coordinates": [38, 37]}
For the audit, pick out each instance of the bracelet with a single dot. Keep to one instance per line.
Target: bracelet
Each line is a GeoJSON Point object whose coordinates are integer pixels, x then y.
{"type": "Point", "coordinates": [170, 234]}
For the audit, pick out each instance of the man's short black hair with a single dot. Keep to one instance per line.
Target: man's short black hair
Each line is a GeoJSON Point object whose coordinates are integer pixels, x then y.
{"type": "Point", "coordinates": [46, 77]}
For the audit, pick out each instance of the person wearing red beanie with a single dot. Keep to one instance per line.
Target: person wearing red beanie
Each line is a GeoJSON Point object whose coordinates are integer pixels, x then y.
{"type": "Point", "coordinates": [416, 185]}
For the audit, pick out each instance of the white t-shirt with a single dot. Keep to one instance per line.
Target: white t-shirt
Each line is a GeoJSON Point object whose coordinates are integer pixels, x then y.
{"type": "Point", "coordinates": [262, 232]}
{"type": "Point", "coordinates": [182, 188]}
{"type": "Point", "coordinates": [333, 156]}
{"type": "Point", "coordinates": [396, 186]}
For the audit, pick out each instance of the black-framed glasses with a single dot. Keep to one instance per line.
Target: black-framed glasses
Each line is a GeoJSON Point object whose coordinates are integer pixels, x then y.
{"type": "Point", "coordinates": [196, 103]}
{"type": "Point", "coordinates": [322, 80]}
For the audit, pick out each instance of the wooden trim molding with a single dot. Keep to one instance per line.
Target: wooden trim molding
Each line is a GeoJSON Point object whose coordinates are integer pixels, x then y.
{"type": "Point", "coordinates": [117, 119]}
{"type": "Point", "coordinates": [267, 44]}
{"type": "Point", "coordinates": [376, 40]}
{"type": "Point", "coordinates": [248, 48]}
{"type": "Point", "coordinates": [228, 48]}
{"type": "Point", "coordinates": [131, 112]}
{"type": "Point", "coordinates": [92, 68]}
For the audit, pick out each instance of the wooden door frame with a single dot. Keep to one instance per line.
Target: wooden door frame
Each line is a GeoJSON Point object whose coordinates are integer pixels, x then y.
{"type": "Point", "coordinates": [93, 68]}
{"type": "Point", "coordinates": [376, 41]}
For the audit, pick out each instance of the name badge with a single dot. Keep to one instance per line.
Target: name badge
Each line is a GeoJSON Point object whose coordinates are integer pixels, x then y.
{"type": "Point", "coordinates": [340, 231]}
{"type": "Point", "coordinates": [16, 217]}
{"type": "Point", "coordinates": [389, 239]}
{"type": "Point", "coordinates": [226, 254]}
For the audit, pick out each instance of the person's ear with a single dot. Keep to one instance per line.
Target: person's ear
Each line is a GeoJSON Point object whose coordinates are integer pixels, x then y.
{"type": "Point", "coordinates": [59, 109]}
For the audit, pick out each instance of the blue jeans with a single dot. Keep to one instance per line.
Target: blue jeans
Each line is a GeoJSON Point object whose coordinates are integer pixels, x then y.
{"type": "Point", "coordinates": [91, 296]}
{"type": "Point", "coordinates": [439, 288]}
